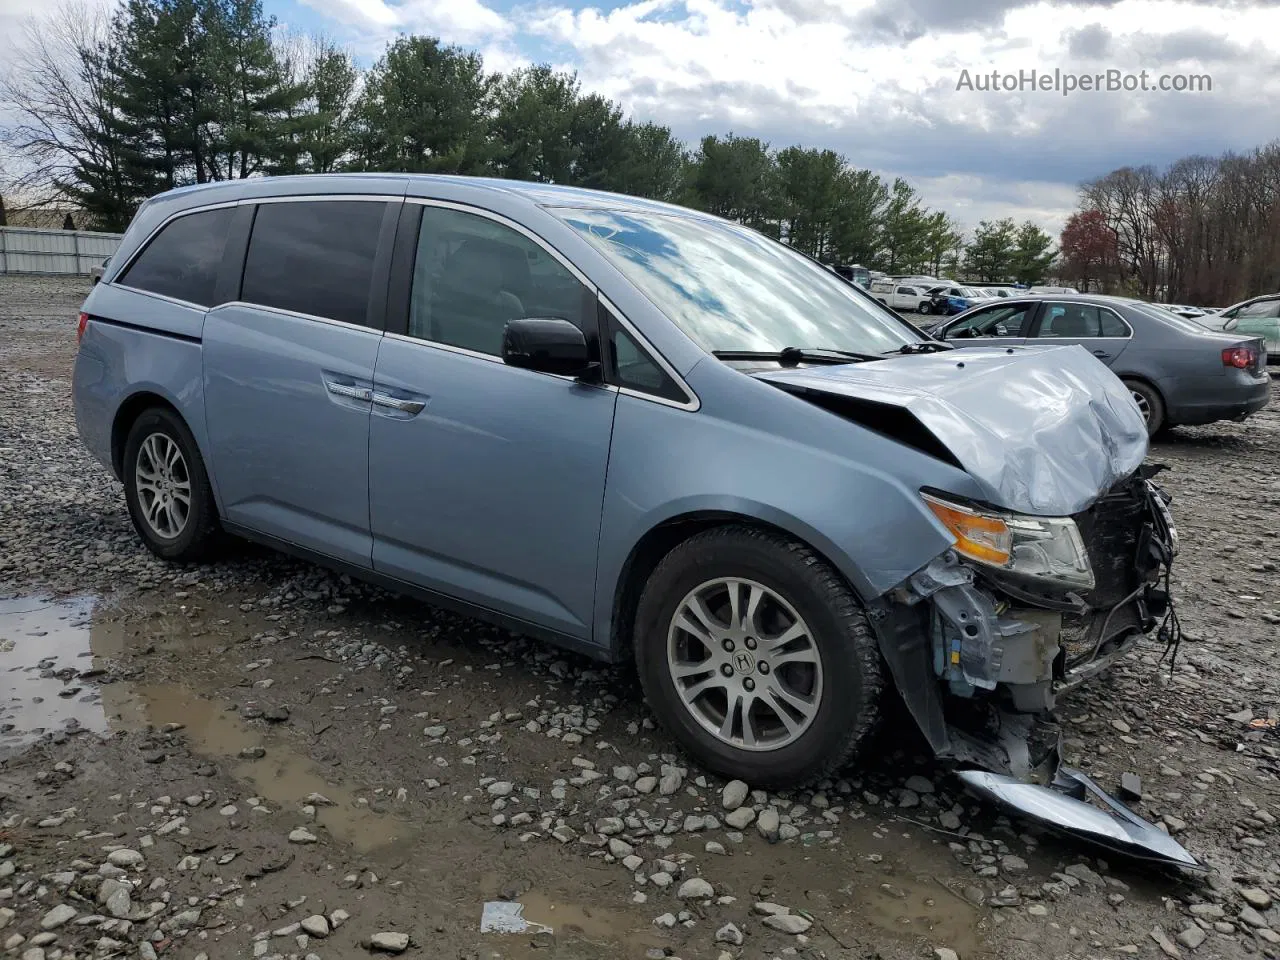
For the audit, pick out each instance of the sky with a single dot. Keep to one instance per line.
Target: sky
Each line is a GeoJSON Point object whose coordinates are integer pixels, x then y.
{"type": "Point", "coordinates": [900, 86]}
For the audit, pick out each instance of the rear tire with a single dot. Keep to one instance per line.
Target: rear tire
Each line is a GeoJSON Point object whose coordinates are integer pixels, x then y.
{"type": "Point", "coordinates": [1150, 403]}
{"type": "Point", "coordinates": [167, 488]}
{"type": "Point", "coordinates": [827, 678]}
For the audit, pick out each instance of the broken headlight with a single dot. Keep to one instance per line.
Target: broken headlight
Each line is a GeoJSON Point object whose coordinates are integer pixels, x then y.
{"type": "Point", "coordinates": [1043, 548]}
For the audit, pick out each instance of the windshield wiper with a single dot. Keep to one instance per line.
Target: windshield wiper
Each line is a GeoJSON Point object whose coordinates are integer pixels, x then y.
{"type": "Point", "coordinates": [794, 356]}
{"type": "Point", "coordinates": [925, 346]}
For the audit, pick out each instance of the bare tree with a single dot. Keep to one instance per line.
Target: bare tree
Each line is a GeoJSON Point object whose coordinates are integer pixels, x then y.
{"type": "Point", "coordinates": [58, 100]}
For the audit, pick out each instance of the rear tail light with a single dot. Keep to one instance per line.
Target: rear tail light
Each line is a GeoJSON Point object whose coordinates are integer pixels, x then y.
{"type": "Point", "coordinates": [84, 322]}
{"type": "Point", "coordinates": [1242, 358]}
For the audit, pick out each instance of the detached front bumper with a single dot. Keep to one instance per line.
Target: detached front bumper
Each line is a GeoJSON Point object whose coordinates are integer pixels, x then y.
{"type": "Point", "coordinates": [981, 657]}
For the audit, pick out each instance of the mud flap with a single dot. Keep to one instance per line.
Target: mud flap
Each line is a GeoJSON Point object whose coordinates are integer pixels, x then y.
{"type": "Point", "coordinates": [1063, 808]}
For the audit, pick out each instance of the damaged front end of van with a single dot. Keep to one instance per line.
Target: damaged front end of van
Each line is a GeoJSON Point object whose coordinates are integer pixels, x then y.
{"type": "Point", "coordinates": [1056, 572]}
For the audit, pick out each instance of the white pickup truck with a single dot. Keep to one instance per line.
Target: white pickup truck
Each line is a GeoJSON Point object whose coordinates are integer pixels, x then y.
{"type": "Point", "coordinates": [899, 296]}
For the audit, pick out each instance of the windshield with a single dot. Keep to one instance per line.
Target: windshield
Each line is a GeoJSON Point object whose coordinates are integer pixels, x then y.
{"type": "Point", "coordinates": [730, 288]}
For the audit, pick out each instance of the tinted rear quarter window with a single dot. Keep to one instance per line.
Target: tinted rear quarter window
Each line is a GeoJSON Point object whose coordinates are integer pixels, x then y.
{"type": "Point", "coordinates": [182, 261]}
{"type": "Point", "coordinates": [314, 257]}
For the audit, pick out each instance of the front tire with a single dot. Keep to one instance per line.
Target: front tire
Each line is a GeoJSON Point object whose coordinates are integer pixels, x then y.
{"type": "Point", "coordinates": [754, 653]}
{"type": "Point", "coordinates": [925, 307]}
{"type": "Point", "coordinates": [167, 489]}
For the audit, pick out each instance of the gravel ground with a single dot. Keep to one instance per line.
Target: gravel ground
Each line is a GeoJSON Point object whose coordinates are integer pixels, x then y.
{"type": "Point", "coordinates": [258, 758]}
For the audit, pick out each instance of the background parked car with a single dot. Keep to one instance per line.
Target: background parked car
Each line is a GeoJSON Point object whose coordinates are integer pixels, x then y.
{"type": "Point", "coordinates": [899, 296]}
{"type": "Point", "coordinates": [1184, 310]}
{"type": "Point", "coordinates": [1178, 371]}
{"type": "Point", "coordinates": [1258, 317]}
{"type": "Point", "coordinates": [952, 299]}
{"type": "Point", "coordinates": [1053, 290]}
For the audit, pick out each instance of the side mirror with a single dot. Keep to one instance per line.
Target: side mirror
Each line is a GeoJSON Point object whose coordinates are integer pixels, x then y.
{"type": "Point", "coordinates": [548, 345]}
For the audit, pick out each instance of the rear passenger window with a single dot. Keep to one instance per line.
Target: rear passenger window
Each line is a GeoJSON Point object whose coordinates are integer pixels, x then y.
{"type": "Point", "coordinates": [182, 261]}
{"type": "Point", "coordinates": [1112, 326]}
{"type": "Point", "coordinates": [472, 276]}
{"type": "Point", "coordinates": [314, 257]}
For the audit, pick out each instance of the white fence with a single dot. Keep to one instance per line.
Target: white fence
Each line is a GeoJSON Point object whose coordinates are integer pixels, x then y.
{"type": "Point", "coordinates": [29, 250]}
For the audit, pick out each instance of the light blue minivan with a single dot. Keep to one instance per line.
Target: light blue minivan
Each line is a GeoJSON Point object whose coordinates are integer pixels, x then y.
{"type": "Point", "coordinates": [638, 431]}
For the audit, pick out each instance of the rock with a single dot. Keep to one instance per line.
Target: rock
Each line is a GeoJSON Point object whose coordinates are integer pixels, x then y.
{"type": "Point", "coordinates": [695, 888]}
{"type": "Point", "coordinates": [1164, 943]}
{"type": "Point", "coordinates": [693, 824]}
{"type": "Point", "coordinates": [767, 823]}
{"type": "Point", "coordinates": [919, 784]}
{"type": "Point", "coordinates": [124, 858]}
{"type": "Point", "coordinates": [944, 953]}
{"type": "Point", "coordinates": [734, 795]}
{"type": "Point", "coordinates": [1038, 910]}
{"type": "Point", "coordinates": [670, 783]}
{"type": "Point", "coordinates": [666, 921]}
{"type": "Point", "coordinates": [338, 918]}
{"type": "Point", "coordinates": [1209, 911]}
{"type": "Point", "coordinates": [500, 788]}
{"type": "Point", "coordinates": [610, 826]}
{"type": "Point", "coordinates": [909, 799]}
{"type": "Point", "coordinates": [390, 942]}
{"type": "Point", "coordinates": [633, 863]}
{"type": "Point", "coordinates": [276, 715]}
{"type": "Point", "coordinates": [740, 818]}
{"type": "Point", "coordinates": [661, 879]}
{"type": "Point", "coordinates": [949, 821]}
{"type": "Point", "coordinates": [435, 732]}
{"type": "Point", "coordinates": [1192, 937]}
{"type": "Point", "coordinates": [316, 926]}
{"type": "Point", "coordinates": [625, 774]}
{"type": "Point", "coordinates": [620, 848]}
{"type": "Point", "coordinates": [1013, 865]}
{"type": "Point", "coordinates": [788, 831]}
{"type": "Point", "coordinates": [770, 909]}
{"type": "Point", "coordinates": [57, 917]}
{"type": "Point", "coordinates": [715, 847]}
{"type": "Point", "coordinates": [1174, 824]}
{"type": "Point", "coordinates": [1256, 898]}
{"type": "Point", "coordinates": [1082, 872]}
{"type": "Point", "coordinates": [1252, 917]}
{"type": "Point", "coordinates": [788, 923]}
{"type": "Point", "coordinates": [120, 903]}
{"type": "Point", "coordinates": [729, 934]}
{"type": "Point", "coordinates": [646, 784]}
{"type": "Point", "coordinates": [6, 917]}
{"type": "Point", "coordinates": [301, 835]}
{"type": "Point", "coordinates": [1121, 726]}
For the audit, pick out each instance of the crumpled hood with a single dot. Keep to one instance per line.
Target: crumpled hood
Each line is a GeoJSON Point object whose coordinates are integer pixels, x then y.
{"type": "Point", "coordinates": [1043, 430]}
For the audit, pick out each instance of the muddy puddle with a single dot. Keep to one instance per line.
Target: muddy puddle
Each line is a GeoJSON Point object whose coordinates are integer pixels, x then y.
{"type": "Point", "coordinates": [55, 675]}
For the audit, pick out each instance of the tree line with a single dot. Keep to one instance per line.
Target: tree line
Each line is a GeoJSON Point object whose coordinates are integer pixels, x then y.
{"type": "Point", "coordinates": [172, 92]}
{"type": "Point", "coordinates": [1206, 230]}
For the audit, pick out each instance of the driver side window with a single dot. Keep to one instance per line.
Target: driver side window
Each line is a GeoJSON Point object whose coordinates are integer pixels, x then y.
{"type": "Point", "coordinates": [473, 275]}
{"type": "Point", "coordinates": [1001, 321]}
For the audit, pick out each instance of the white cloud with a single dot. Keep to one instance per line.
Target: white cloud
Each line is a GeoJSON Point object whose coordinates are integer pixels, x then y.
{"type": "Point", "coordinates": [456, 21]}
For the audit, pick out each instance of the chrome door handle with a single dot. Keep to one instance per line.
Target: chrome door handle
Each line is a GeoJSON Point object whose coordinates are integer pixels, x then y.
{"type": "Point", "coordinates": [350, 391]}
{"type": "Point", "coordinates": [410, 407]}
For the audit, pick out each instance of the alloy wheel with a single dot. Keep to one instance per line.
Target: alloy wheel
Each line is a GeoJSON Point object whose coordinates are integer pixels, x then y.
{"type": "Point", "coordinates": [163, 485]}
{"type": "Point", "coordinates": [744, 664]}
{"type": "Point", "coordinates": [1144, 405]}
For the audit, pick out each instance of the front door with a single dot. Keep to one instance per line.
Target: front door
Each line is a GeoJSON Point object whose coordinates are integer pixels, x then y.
{"type": "Point", "coordinates": [1097, 329]}
{"type": "Point", "coordinates": [488, 480]}
{"type": "Point", "coordinates": [288, 375]}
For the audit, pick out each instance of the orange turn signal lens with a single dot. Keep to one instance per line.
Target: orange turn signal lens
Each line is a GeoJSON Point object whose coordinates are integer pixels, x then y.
{"type": "Point", "coordinates": [978, 536]}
